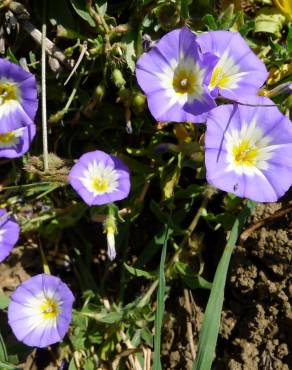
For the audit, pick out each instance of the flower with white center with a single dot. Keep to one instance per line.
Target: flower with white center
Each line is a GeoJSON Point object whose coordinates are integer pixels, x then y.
{"type": "Point", "coordinates": [40, 310]}
{"type": "Point", "coordinates": [9, 233]}
{"type": "Point", "coordinates": [249, 150]}
{"type": "Point", "coordinates": [174, 75]}
{"type": "Point", "coordinates": [100, 178]}
{"type": "Point", "coordinates": [238, 72]}
{"type": "Point", "coordinates": [18, 97]}
{"type": "Point", "coordinates": [15, 143]}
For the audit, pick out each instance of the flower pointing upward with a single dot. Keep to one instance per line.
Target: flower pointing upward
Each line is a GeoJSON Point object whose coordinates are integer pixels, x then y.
{"type": "Point", "coordinates": [174, 75]}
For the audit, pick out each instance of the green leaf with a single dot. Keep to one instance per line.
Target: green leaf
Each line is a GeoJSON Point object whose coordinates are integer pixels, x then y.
{"type": "Point", "coordinates": [160, 308]}
{"type": "Point", "coordinates": [6, 366]}
{"type": "Point", "coordinates": [11, 56]}
{"type": "Point", "coordinates": [72, 365]}
{"type": "Point", "coordinates": [147, 336]}
{"type": "Point", "coordinates": [184, 8]}
{"type": "Point", "coordinates": [80, 8]}
{"type": "Point", "coordinates": [102, 6]}
{"type": "Point", "coordinates": [130, 54]}
{"type": "Point", "coordinates": [211, 321]}
{"type": "Point", "coordinates": [210, 22]}
{"type": "Point", "coordinates": [139, 273]}
{"type": "Point", "coordinates": [190, 278]}
{"type": "Point", "coordinates": [4, 301]}
{"type": "Point", "coordinates": [102, 316]}
{"type": "Point", "coordinates": [3, 351]}
{"type": "Point", "coordinates": [247, 27]}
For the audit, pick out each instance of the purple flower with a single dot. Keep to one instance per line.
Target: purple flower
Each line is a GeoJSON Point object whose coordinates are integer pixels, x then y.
{"type": "Point", "coordinates": [249, 150]}
{"type": "Point", "coordinates": [40, 310]}
{"type": "Point", "coordinates": [239, 72]}
{"type": "Point", "coordinates": [18, 97]}
{"type": "Point", "coordinates": [9, 233]}
{"type": "Point", "coordinates": [15, 143]}
{"type": "Point", "coordinates": [174, 75]}
{"type": "Point", "coordinates": [100, 178]}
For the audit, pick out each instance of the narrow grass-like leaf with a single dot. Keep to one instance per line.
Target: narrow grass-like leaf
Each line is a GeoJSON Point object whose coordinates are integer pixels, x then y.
{"type": "Point", "coordinates": [184, 8]}
{"type": "Point", "coordinates": [211, 322]}
{"type": "Point", "coordinates": [160, 308]}
{"type": "Point", "coordinates": [7, 366]}
{"type": "Point", "coordinates": [139, 272]}
{"type": "Point", "coordinates": [3, 352]}
{"type": "Point", "coordinates": [4, 301]}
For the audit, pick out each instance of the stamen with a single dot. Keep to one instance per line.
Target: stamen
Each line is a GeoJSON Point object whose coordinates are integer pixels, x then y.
{"type": "Point", "coordinates": [184, 82]}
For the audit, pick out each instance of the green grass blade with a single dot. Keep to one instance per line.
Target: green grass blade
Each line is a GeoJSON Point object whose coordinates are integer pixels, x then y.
{"type": "Point", "coordinates": [160, 307]}
{"type": "Point", "coordinates": [3, 352]}
{"type": "Point", "coordinates": [211, 322]}
{"type": "Point", "coordinates": [184, 9]}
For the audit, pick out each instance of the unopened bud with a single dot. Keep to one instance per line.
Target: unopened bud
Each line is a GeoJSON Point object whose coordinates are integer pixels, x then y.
{"type": "Point", "coordinates": [138, 102]}
{"type": "Point", "coordinates": [110, 229]}
{"type": "Point", "coordinates": [118, 78]}
{"type": "Point", "coordinates": [111, 245]}
{"type": "Point", "coordinates": [99, 91]}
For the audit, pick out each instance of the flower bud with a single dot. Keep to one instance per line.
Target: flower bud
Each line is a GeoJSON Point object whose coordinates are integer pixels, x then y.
{"type": "Point", "coordinates": [99, 91]}
{"type": "Point", "coordinates": [138, 102]}
{"type": "Point", "coordinates": [110, 229]}
{"type": "Point", "coordinates": [118, 78]}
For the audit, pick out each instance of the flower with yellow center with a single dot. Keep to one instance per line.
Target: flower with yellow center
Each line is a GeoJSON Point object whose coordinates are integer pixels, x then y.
{"type": "Point", "coordinates": [99, 178]}
{"type": "Point", "coordinates": [239, 73]}
{"type": "Point", "coordinates": [18, 97]}
{"type": "Point", "coordinates": [226, 73]}
{"type": "Point", "coordinates": [8, 92]}
{"type": "Point", "coordinates": [174, 75]}
{"type": "Point", "coordinates": [248, 150]}
{"type": "Point", "coordinates": [10, 139]}
{"type": "Point", "coordinates": [49, 309]}
{"type": "Point", "coordinates": [40, 310]}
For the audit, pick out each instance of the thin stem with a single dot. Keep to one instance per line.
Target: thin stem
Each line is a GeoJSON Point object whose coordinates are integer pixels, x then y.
{"type": "Point", "coordinates": [46, 267]}
{"type": "Point", "coordinates": [189, 231]}
{"type": "Point", "coordinates": [73, 93]}
{"type": "Point", "coordinates": [103, 22]}
{"type": "Point", "coordinates": [44, 95]}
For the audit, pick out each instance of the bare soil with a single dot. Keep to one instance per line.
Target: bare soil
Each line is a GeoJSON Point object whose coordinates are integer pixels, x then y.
{"type": "Point", "coordinates": [257, 317]}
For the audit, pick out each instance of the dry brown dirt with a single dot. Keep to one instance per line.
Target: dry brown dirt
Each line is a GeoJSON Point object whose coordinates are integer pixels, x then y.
{"type": "Point", "coordinates": [257, 318]}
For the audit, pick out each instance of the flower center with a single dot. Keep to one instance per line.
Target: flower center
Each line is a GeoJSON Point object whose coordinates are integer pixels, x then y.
{"type": "Point", "coordinates": [8, 92]}
{"type": "Point", "coordinates": [100, 185]}
{"type": "Point", "coordinates": [218, 78]}
{"type": "Point", "coordinates": [49, 309]}
{"type": "Point", "coordinates": [245, 154]}
{"type": "Point", "coordinates": [184, 81]}
{"type": "Point", "coordinates": [6, 138]}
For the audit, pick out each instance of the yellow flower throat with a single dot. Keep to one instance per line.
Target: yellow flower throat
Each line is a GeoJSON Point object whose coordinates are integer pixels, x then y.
{"type": "Point", "coordinates": [49, 309]}
{"type": "Point", "coordinates": [6, 138]}
{"type": "Point", "coordinates": [100, 185]}
{"type": "Point", "coordinates": [218, 78]}
{"type": "Point", "coordinates": [8, 91]}
{"type": "Point", "coordinates": [245, 154]}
